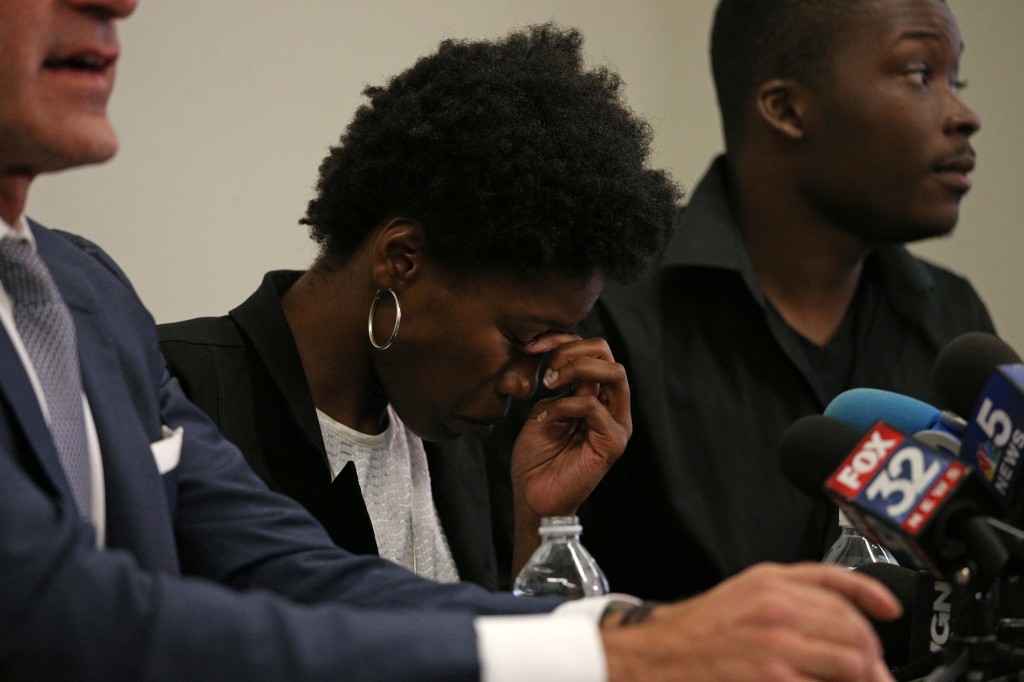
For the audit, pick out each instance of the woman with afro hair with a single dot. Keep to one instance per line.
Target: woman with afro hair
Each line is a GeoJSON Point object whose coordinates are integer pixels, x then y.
{"type": "Point", "coordinates": [468, 219]}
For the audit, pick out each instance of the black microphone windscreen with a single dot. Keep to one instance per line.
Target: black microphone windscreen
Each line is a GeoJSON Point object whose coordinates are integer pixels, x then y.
{"type": "Point", "coordinates": [895, 635]}
{"type": "Point", "coordinates": [909, 637]}
{"type": "Point", "coordinates": [964, 366]}
{"type": "Point", "coordinates": [812, 448]}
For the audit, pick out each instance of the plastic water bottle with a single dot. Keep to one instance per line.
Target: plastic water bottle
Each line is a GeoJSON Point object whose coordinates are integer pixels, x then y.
{"type": "Point", "coordinates": [561, 567]}
{"type": "Point", "coordinates": [853, 549]}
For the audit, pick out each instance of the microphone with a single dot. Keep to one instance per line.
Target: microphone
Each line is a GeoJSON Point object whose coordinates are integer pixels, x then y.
{"type": "Point", "coordinates": [981, 377]}
{"type": "Point", "coordinates": [862, 407]}
{"type": "Point", "coordinates": [925, 626]}
{"type": "Point", "coordinates": [923, 505]}
{"type": "Point", "coordinates": [962, 369]}
{"type": "Point", "coordinates": [811, 451]}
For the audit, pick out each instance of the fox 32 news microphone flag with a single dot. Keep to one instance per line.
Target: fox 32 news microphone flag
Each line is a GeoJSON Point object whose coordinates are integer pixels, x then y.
{"type": "Point", "coordinates": [900, 492]}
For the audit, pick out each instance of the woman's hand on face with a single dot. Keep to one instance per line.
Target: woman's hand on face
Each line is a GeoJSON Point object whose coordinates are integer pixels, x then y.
{"type": "Point", "coordinates": [569, 443]}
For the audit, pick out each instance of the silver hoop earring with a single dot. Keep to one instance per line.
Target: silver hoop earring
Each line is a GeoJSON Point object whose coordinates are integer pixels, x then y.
{"type": "Point", "coordinates": [398, 319]}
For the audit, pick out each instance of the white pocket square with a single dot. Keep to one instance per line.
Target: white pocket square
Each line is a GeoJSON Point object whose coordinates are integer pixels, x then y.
{"type": "Point", "coordinates": [167, 452]}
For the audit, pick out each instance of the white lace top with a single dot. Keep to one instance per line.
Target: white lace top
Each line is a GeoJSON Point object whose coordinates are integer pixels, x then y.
{"type": "Point", "coordinates": [395, 482]}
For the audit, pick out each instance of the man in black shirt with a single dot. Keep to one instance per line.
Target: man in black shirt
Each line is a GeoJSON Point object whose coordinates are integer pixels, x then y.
{"type": "Point", "coordinates": [786, 282]}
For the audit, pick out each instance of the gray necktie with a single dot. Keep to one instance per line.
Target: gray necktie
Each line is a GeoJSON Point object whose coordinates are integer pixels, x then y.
{"type": "Point", "coordinates": [48, 332]}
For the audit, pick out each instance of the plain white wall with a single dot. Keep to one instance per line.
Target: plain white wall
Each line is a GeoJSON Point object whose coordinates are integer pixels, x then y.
{"type": "Point", "coordinates": [226, 108]}
{"type": "Point", "coordinates": [988, 245]}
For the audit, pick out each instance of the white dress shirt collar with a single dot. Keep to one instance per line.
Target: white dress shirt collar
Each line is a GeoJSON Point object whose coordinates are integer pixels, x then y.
{"type": "Point", "coordinates": [20, 230]}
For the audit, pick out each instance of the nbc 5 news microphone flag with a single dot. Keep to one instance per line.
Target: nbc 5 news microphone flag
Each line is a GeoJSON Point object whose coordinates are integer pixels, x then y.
{"type": "Point", "coordinates": [994, 439]}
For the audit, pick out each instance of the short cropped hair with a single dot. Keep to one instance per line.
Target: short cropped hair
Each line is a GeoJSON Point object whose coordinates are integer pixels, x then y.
{"type": "Point", "coordinates": [511, 154]}
{"type": "Point", "coordinates": [754, 41]}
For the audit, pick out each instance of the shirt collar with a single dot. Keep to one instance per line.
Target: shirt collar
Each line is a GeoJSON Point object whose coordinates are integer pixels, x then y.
{"type": "Point", "coordinates": [707, 235]}
{"type": "Point", "coordinates": [20, 230]}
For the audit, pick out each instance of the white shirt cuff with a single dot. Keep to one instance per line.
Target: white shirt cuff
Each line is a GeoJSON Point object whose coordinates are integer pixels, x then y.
{"type": "Point", "coordinates": [562, 646]}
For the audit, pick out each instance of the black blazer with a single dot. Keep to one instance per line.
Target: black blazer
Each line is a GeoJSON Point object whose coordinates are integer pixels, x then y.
{"type": "Point", "coordinates": [244, 371]}
{"type": "Point", "coordinates": [253, 561]}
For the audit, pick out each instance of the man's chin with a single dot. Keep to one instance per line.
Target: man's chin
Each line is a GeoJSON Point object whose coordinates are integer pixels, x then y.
{"type": "Point", "coordinates": [924, 231]}
{"type": "Point", "coordinates": [910, 231]}
{"type": "Point", "coordinates": [85, 143]}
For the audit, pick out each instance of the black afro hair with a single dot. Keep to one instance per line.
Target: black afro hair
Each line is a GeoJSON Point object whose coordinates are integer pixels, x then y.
{"type": "Point", "coordinates": [511, 155]}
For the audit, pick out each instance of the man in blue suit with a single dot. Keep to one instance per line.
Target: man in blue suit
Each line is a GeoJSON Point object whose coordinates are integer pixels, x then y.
{"type": "Point", "coordinates": [136, 544]}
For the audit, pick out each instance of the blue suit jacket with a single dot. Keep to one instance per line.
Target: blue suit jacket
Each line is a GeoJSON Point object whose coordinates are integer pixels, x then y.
{"type": "Point", "coordinates": [289, 604]}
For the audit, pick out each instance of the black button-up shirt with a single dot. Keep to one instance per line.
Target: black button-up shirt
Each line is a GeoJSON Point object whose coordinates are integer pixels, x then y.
{"type": "Point", "coordinates": [717, 375]}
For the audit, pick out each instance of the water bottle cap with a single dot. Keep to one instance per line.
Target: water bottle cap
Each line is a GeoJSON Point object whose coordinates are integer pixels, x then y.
{"type": "Point", "coordinates": [560, 525]}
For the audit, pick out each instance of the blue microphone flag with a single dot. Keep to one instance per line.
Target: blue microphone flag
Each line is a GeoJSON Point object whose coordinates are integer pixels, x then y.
{"type": "Point", "coordinates": [994, 439]}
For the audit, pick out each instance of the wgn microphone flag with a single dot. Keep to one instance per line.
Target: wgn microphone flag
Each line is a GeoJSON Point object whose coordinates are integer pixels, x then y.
{"type": "Point", "coordinates": [994, 440]}
{"type": "Point", "coordinates": [926, 623]}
